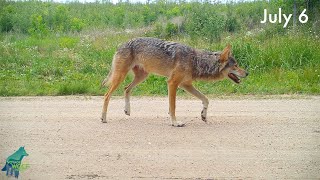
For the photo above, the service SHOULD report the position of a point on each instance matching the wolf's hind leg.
(139, 76)
(107, 96)
(118, 74)
(173, 84)
(189, 87)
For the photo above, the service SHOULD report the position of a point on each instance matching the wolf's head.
(22, 151)
(229, 66)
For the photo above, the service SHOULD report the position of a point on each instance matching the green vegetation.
(61, 49)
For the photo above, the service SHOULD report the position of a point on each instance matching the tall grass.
(77, 63)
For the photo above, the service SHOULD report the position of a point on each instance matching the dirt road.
(244, 138)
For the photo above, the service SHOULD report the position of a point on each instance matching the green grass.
(77, 63)
(61, 49)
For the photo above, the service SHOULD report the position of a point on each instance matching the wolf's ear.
(226, 53)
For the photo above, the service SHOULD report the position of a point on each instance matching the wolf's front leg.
(174, 121)
(127, 104)
(205, 103)
(188, 87)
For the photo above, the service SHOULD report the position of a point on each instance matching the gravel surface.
(253, 138)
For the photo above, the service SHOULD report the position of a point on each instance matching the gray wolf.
(180, 63)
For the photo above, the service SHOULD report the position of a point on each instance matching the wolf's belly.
(163, 67)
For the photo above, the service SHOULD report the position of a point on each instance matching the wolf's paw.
(178, 124)
(127, 112)
(103, 120)
(203, 116)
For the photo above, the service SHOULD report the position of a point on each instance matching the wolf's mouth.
(234, 78)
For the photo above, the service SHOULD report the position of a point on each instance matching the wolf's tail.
(107, 80)
(122, 61)
(4, 168)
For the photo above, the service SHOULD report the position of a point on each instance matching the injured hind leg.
(139, 76)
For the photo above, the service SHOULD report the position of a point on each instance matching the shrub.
(149, 16)
(232, 24)
(68, 42)
(6, 18)
(76, 24)
(171, 30)
(38, 28)
(205, 23)
(61, 19)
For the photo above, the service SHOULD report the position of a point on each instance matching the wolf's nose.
(247, 73)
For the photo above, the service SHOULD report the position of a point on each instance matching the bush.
(38, 28)
(232, 24)
(76, 24)
(205, 23)
(68, 42)
(171, 30)
(149, 16)
(6, 18)
(61, 20)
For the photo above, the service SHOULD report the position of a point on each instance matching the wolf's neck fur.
(205, 66)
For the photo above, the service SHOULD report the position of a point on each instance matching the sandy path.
(244, 138)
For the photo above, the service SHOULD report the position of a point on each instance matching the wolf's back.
(154, 47)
